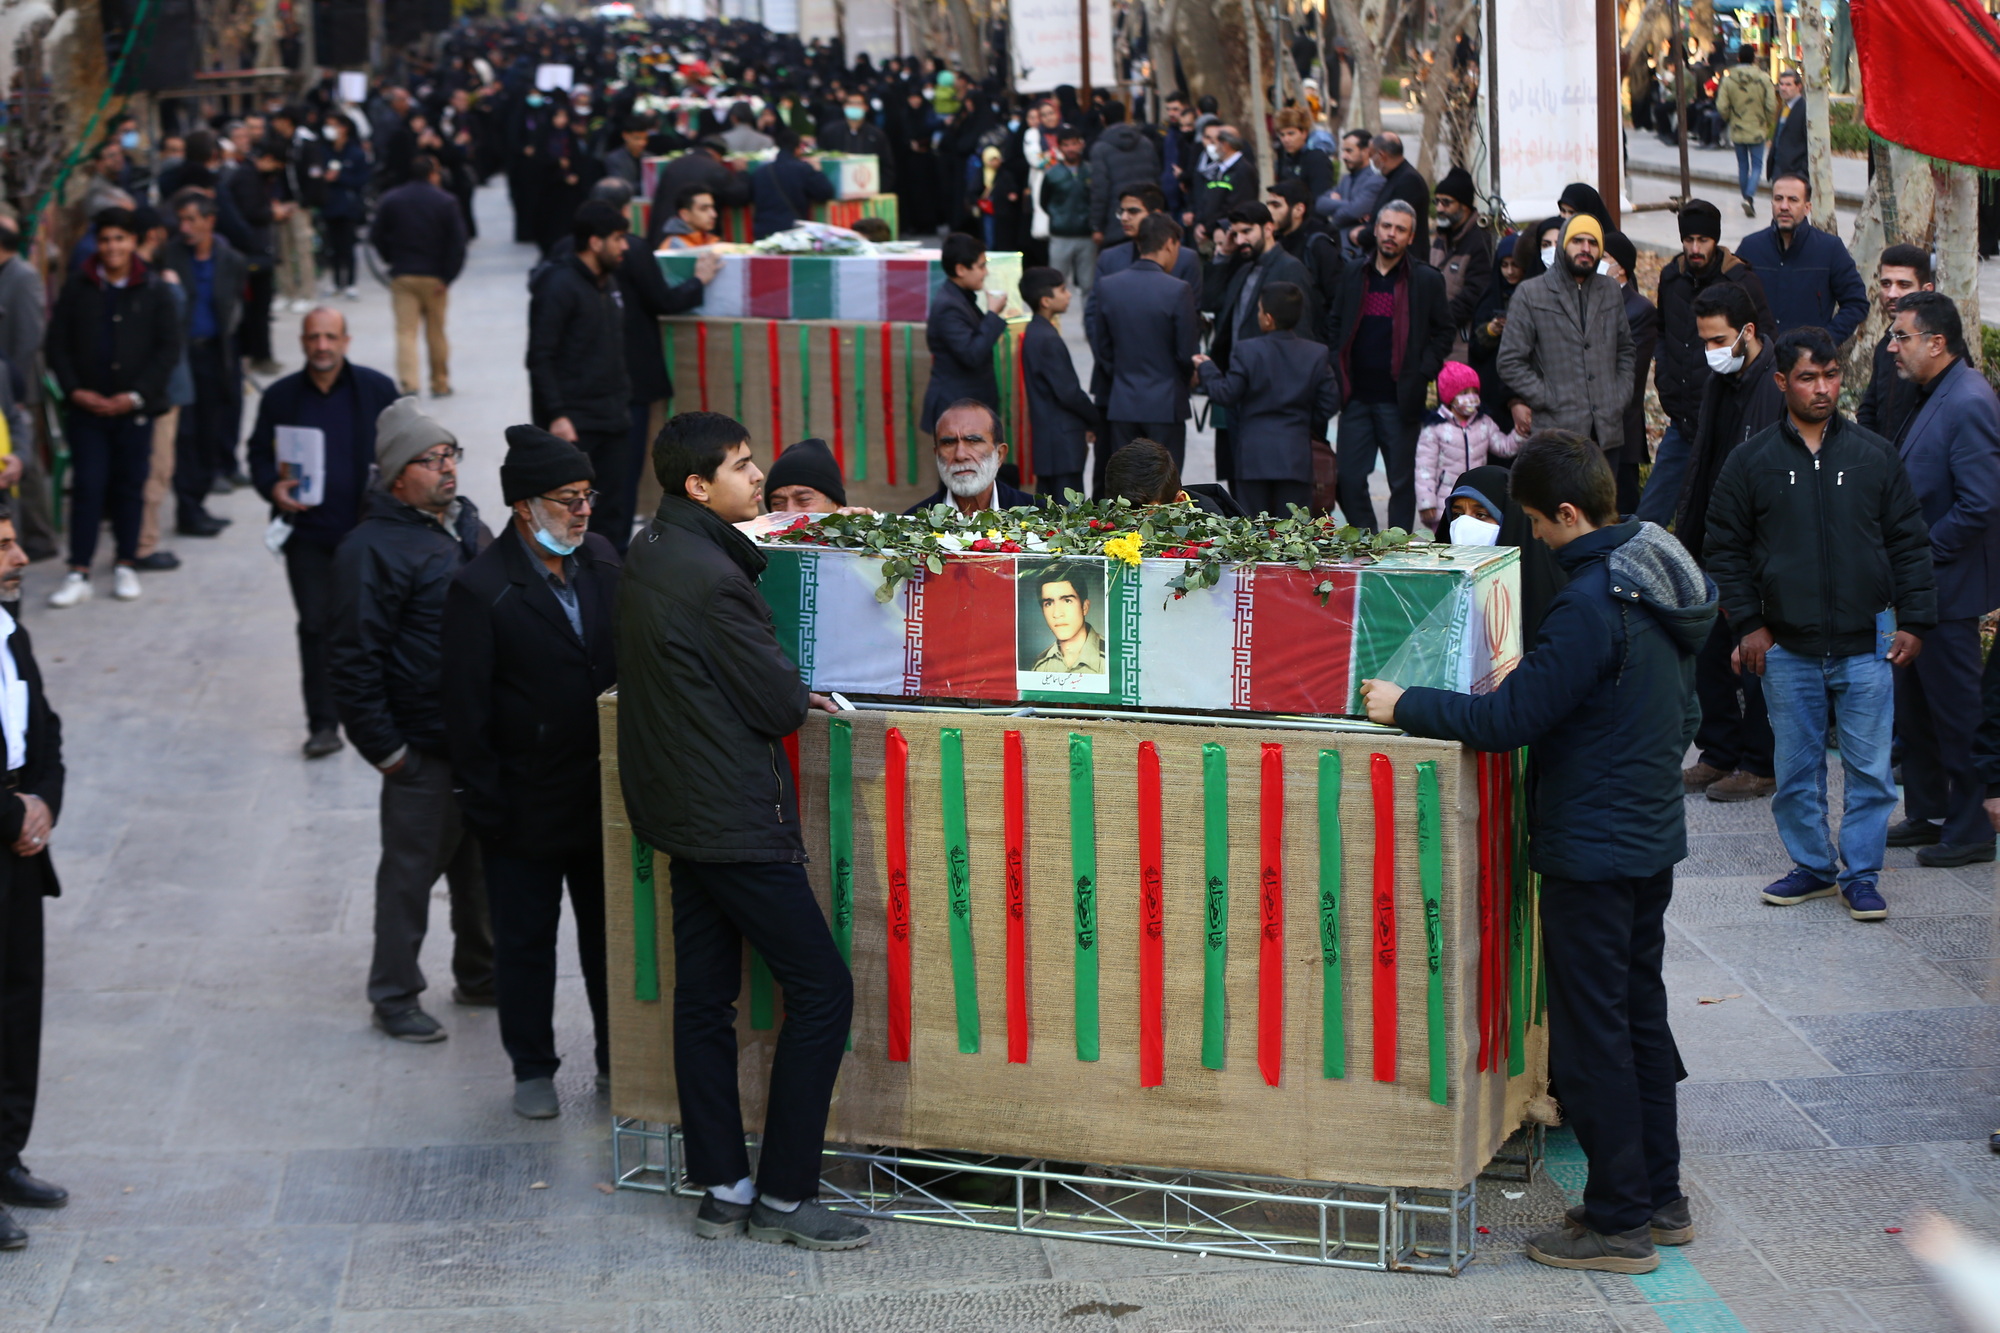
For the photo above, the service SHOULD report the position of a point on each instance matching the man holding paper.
(310, 455)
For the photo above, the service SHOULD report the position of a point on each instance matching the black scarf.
(680, 510)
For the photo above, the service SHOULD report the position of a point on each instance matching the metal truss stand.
(1384, 1228)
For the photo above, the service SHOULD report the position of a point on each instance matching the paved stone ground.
(247, 1154)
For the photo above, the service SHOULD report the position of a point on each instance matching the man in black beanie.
(805, 479)
(1622, 257)
(1462, 250)
(527, 649)
(1681, 362)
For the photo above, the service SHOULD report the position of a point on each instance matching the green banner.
(840, 836)
(858, 470)
(645, 925)
(763, 1000)
(1430, 875)
(1215, 907)
(1083, 874)
(1333, 1028)
(958, 874)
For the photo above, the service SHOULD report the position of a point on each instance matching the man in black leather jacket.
(390, 576)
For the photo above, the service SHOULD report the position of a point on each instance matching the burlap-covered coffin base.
(1056, 1106)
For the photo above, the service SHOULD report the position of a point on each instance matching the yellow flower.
(992, 534)
(1126, 546)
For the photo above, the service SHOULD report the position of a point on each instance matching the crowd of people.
(1822, 570)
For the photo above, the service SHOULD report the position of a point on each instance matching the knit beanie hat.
(1457, 183)
(1580, 224)
(807, 463)
(402, 436)
(538, 462)
(1698, 217)
(1619, 246)
(1455, 378)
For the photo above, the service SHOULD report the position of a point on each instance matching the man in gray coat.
(1567, 353)
(23, 316)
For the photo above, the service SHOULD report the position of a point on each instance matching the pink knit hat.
(1455, 378)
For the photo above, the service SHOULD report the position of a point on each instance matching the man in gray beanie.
(386, 662)
(527, 649)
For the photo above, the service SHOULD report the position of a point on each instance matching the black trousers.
(256, 327)
(1365, 430)
(1937, 702)
(1172, 434)
(1271, 497)
(340, 233)
(1611, 1052)
(205, 443)
(1053, 484)
(109, 460)
(309, 571)
(20, 1007)
(610, 453)
(1735, 727)
(525, 897)
(717, 906)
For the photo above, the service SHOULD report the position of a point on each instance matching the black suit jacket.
(1058, 409)
(1788, 145)
(1145, 338)
(1431, 331)
(1282, 393)
(960, 336)
(41, 775)
(521, 706)
(1233, 324)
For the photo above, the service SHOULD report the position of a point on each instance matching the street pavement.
(246, 1153)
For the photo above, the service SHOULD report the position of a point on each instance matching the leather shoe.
(1740, 786)
(22, 1190)
(323, 743)
(201, 525)
(1913, 833)
(13, 1236)
(1955, 854)
(159, 562)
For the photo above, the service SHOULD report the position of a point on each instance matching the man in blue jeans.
(1823, 558)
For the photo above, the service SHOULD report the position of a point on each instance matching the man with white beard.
(969, 454)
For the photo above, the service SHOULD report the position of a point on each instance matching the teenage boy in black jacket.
(1605, 701)
(1064, 419)
(1820, 548)
(707, 697)
(577, 385)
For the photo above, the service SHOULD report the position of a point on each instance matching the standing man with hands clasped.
(707, 698)
(1823, 559)
(1605, 701)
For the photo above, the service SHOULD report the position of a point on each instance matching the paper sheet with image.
(302, 453)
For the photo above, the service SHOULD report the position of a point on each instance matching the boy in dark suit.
(1282, 391)
(959, 336)
(1064, 419)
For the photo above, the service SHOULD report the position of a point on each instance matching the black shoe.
(1671, 1225)
(221, 486)
(810, 1226)
(717, 1218)
(1913, 833)
(411, 1024)
(323, 743)
(474, 999)
(159, 562)
(201, 525)
(12, 1235)
(22, 1190)
(1956, 854)
(238, 480)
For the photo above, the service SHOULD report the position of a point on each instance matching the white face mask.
(1469, 531)
(1726, 360)
(1548, 256)
(1604, 267)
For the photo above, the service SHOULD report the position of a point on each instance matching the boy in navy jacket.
(1064, 419)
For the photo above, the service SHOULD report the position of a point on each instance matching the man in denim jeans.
(1820, 549)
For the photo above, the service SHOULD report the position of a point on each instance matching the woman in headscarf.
(1536, 252)
(1489, 321)
(1580, 198)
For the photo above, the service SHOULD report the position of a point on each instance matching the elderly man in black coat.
(527, 647)
(29, 806)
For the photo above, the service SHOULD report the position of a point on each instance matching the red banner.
(1927, 66)
(701, 360)
(888, 363)
(777, 389)
(839, 401)
(895, 783)
(1483, 767)
(1382, 774)
(1152, 920)
(1014, 791)
(1271, 916)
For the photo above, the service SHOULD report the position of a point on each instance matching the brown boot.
(1742, 786)
(1700, 777)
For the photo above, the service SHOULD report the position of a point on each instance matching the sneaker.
(810, 1226)
(1700, 777)
(125, 583)
(411, 1024)
(1580, 1247)
(1956, 854)
(717, 1218)
(1741, 786)
(1799, 885)
(1864, 901)
(75, 588)
(1671, 1225)
(1749, 208)
(1913, 833)
(535, 1099)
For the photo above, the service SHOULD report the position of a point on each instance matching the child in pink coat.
(1457, 440)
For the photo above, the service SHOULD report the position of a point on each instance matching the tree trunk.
(1213, 51)
(1160, 23)
(1816, 44)
(1437, 80)
(1260, 124)
(1957, 233)
(968, 34)
(1351, 19)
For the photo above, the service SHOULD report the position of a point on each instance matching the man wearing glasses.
(527, 649)
(390, 576)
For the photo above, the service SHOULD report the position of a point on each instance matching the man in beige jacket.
(1748, 103)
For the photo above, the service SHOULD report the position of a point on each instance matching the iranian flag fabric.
(1092, 631)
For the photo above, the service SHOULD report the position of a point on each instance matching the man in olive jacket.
(707, 697)
(1568, 351)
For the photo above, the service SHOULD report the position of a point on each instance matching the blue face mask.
(550, 543)
(129, 140)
